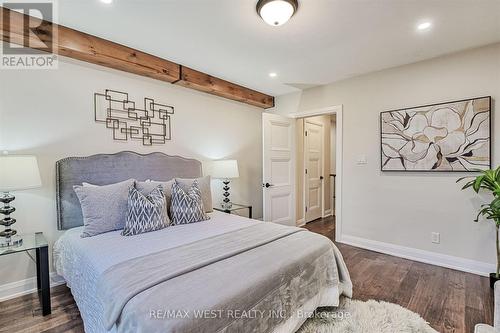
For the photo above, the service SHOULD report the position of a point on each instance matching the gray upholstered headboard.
(105, 169)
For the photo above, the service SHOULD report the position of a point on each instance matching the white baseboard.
(24, 287)
(328, 212)
(438, 259)
(301, 222)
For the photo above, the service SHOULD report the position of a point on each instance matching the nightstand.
(235, 208)
(38, 243)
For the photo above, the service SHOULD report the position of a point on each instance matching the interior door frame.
(305, 180)
(336, 110)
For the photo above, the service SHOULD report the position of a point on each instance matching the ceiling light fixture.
(277, 12)
(273, 74)
(424, 26)
(107, 2)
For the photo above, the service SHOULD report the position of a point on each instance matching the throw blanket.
(164, 291)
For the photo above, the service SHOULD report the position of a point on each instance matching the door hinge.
(306, 209)
(306, 171)
(306, 133)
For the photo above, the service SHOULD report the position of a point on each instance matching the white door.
(313, 151)
(278, 168)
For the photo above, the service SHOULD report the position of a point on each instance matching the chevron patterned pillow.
(146, 212)
(187, 206)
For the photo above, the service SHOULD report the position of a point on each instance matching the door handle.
(267, 185)
(321, 177)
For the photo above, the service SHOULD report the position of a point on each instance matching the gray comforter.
(255, 279)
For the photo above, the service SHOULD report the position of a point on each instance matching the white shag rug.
(354, 316)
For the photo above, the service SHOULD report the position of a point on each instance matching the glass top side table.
(235, 207)
(37, 242)
(30, 242)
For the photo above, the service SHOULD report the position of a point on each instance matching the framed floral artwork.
(452, 136)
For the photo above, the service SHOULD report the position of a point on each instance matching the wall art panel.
(453, 136)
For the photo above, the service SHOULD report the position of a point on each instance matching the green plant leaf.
(497, 174)
(495, 204)
(477, 217)
(477, 183)
(490, 174)
(462, 178)
(488, 180)
(468, 184)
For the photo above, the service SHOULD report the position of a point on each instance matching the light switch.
(361, 160)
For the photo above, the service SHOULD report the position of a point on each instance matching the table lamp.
(225, 170)
(17, 172)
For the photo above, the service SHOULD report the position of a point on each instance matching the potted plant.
(489, 180)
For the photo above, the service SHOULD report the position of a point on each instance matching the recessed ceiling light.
(107, 2)
(277, 12)
(424, 26)
(273, 74)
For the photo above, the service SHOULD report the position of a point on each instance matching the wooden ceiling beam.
(82, 46)
(194, 79)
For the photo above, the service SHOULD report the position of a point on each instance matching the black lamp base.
(8, 236)
(226, 202)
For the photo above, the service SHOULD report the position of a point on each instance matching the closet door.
(313, 151)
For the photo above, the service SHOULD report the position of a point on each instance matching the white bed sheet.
(80, 261)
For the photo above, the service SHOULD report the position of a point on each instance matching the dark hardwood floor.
(449, 300)
(23, 314)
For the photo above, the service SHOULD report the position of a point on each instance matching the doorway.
(315, 165)
(283, 202)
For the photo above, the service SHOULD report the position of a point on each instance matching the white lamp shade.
(224, 169)
(18, 172)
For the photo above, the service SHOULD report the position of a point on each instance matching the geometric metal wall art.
(151, 123)
(452, 136)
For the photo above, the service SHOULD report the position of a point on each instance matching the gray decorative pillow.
(148, 186)
(206, 191)
(104, 208)
(146, 212)
(187, 206)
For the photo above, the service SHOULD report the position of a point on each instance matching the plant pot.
(493, 279)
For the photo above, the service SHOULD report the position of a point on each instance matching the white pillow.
(104, 208)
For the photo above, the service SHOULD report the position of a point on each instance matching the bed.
(228, 274)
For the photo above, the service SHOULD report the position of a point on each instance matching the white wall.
(380, 209)
(49, 113)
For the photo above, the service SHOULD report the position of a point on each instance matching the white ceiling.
(326, 41)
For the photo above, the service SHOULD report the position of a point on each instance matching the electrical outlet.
(435, 237)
